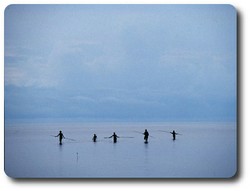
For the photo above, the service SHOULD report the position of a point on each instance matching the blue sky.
(121, 62)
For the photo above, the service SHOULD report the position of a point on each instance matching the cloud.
(199, 73)
(30, 71)
(25, 68)
(81, 98)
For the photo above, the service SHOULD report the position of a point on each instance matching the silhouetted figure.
(173, 133)
(114, 137)
(94, 138)
(61, 136)
(146, 134)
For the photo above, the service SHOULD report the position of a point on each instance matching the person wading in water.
(146, 134)
(114, 137)
(94, 138)
(174, 134)
(61, 136)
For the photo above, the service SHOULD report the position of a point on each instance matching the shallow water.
(203, 150)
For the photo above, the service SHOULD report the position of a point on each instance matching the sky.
(120, 62)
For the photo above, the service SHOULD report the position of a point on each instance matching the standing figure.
(146, 134)
(61, 136)
(173, 133)
(114, 137)
(94, 138)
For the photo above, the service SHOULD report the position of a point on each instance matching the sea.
(201, 150)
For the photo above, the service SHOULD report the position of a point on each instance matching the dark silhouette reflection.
(94, 138)
(146, 134)
(61, 136)
(60, 149)
(114, 137)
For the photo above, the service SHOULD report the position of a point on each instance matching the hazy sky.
(121, 62)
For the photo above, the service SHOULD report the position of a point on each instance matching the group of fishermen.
(146, 135)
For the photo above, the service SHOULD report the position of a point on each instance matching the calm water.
(203, 150)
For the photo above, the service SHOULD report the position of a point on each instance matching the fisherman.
(61, 136)
(114, 137)
(146, 134)
(173, 133)
(94, 138)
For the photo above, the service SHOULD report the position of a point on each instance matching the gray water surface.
(203, 150)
